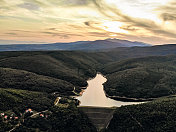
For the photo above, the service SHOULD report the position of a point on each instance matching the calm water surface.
(94, 95)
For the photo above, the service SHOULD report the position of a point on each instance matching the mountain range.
(78, 45)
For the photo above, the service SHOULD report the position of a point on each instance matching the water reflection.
(94, 95)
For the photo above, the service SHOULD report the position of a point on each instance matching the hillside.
(74, 67)
(146, 77)
(14, 103)
(20, 79)
(20, 100)
(104, 56)
(156, 116)
(61, 120)
(123, 53)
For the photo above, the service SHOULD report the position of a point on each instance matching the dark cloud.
(76, 2)
(87, 23)
(98, 34)
(52, 29)
(76, 26)
(129, 28)
(92, 24)
(26, 31)
(64, 36)
(37, 2)
(168, 17)
(61, 34)
(52, 33)
(29, 6)
(168, 11)
(11, 34)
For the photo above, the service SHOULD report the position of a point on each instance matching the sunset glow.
(46, 21)
(113, 27)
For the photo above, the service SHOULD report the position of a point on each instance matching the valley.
(34, 79)
(87, 66)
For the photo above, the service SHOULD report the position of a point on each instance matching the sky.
(48, 21)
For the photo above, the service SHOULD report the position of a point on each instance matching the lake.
(94, 95)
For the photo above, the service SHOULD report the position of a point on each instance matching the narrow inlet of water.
(94, 95)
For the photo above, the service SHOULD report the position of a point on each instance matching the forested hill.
(122, 53)
(33, 80)
(104, 56)
(146, 77)
(155, 116)
(46, 71)
(68, 69)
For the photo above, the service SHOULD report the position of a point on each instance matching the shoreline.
(117, 98)
(126, 99)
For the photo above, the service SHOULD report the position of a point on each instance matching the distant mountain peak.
(128, 43)
(78, 45)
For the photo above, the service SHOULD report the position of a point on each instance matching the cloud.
(94, 25)
(129, 28)
(87, 23)
(52, 29)
(77, 2)
(91, 23)
(168, 16)
(19, 42)
(22, 18)
(98, 34)
(116, 15)
(63, 35)
(11, 34)
(26, 31)
(64, 20)
(168, 12)
(29, 6)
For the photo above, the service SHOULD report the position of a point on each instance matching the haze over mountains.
(78, 45)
